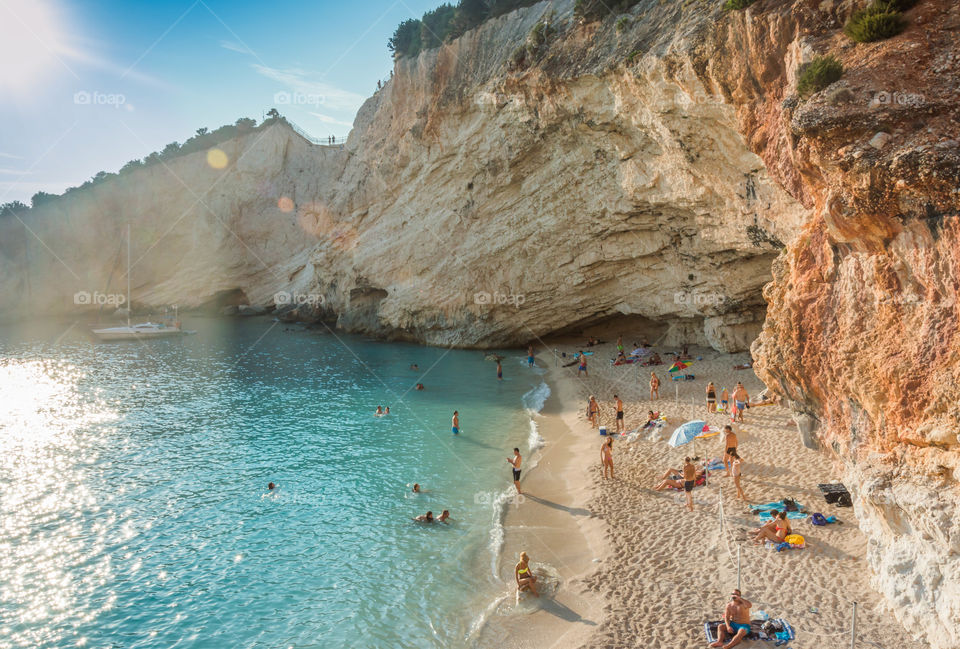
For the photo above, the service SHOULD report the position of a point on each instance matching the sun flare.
(30, 38)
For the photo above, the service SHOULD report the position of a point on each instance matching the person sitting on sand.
(736, 622)
(776, 530)
(526, 580)
(651, 420)
(424, 518)
(671, 479)
(416, 487)
(444, 516)
(637, 350)
(655, 359)
(621, 358)
(654, 386)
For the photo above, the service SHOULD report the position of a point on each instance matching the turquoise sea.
(133, 488)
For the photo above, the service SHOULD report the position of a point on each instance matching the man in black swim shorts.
(515, 463)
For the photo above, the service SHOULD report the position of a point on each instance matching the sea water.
(133, 488)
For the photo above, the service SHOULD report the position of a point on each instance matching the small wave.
(534, 399)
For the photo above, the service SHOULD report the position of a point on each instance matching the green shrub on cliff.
(818, 74)
(734, 5)
(878, 21)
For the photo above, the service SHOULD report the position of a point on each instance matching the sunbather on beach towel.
(736, 622)
(776, 530)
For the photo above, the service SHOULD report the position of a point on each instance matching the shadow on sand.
(576, 511)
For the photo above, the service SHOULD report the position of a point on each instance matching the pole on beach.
(738, 566)
(677, 388)
(853, 628)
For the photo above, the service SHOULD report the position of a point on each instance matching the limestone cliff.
(656, 167)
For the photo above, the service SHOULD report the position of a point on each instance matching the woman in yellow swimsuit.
(526, 580)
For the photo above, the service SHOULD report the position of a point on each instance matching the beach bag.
(844, 500)
(795, 540)
(771, 627)
(818, 519)
(789, 505)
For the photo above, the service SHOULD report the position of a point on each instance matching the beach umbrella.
(679, 366)
(686, 433)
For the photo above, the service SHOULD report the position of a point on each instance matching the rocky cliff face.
(657, 170)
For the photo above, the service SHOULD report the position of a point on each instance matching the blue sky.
(87, 85)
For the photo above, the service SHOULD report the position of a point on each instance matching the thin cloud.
(236, 47)
(298, 81)
(13, 172)
(326, 119)
(10, 156)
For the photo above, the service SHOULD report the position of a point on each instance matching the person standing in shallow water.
(499, 371)
(515, 462)
(456, 422)
(530, 355)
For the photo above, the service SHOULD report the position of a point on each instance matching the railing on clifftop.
(321, 141)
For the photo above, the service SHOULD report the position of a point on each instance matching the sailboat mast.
(129, 304)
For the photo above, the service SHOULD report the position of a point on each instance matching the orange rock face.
(861, 335)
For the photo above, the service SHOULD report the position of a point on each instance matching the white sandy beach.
(636, 569)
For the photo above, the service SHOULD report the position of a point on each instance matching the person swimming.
(419, 386)
(386, 410)
(379, 412)
(424, 518)
(416, 487)
(444, 516)
(271, 486)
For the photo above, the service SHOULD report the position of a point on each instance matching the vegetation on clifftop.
(879, 20)
(446, 23)
(202, 140)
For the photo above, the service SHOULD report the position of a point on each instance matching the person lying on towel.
(736, 622)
